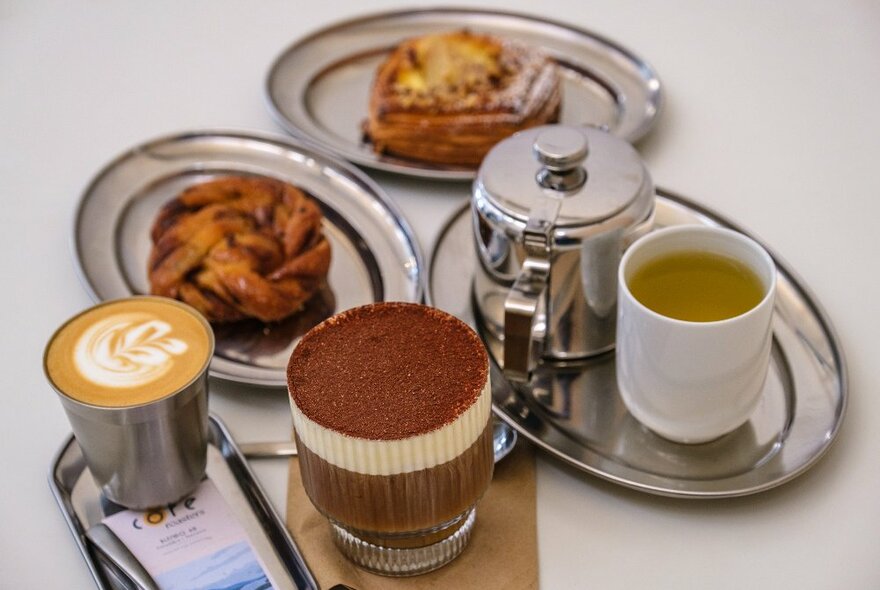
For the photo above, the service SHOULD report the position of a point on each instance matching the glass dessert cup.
(395, 441)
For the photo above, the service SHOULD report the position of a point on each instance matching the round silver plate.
(575, 413)
(318, 88)
(374, 254)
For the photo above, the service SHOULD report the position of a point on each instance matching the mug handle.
(641, 229)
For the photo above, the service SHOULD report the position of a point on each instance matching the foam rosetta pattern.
(127, 350)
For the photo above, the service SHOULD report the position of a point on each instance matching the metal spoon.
(109, 545)
(504, 438)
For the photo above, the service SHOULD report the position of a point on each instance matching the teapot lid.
(598, 176)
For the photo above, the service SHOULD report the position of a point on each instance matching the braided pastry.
(239, 247)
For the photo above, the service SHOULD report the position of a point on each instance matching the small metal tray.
(80, 502)
(575, 412)
(319, 87)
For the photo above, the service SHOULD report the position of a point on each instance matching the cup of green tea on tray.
(694, 330)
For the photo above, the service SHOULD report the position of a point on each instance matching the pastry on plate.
(448, 98)
(240, 247)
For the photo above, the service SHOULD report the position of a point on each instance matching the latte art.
(129, 351)
(125, 351)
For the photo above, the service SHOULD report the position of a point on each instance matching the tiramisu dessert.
(391, 405)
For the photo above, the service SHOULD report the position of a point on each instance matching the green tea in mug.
(696, 286)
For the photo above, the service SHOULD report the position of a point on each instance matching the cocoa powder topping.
(387, 371)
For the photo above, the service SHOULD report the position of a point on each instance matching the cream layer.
(388, 457)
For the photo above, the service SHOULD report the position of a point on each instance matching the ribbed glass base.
(408, 554)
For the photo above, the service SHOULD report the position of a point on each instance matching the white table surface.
(772, 118)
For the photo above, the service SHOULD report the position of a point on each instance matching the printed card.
(195, 544)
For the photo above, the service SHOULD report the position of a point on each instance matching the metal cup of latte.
(132, 377)
(554, 207)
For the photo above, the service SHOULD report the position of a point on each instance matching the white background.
(772, 118)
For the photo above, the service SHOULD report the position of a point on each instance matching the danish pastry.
(239, 247)
(448, 98)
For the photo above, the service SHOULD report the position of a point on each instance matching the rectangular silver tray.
(80, 502)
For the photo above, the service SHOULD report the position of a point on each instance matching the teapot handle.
(561, 152)
(521, 306)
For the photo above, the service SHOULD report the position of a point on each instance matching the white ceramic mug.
(693, 382)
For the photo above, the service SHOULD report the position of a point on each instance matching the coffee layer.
(128, 352)
(404, 502)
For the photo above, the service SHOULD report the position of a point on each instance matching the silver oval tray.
(318, 88)
(375, 256)
(81, 504)
(575, 412)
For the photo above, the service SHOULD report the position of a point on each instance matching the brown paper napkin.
(503, 552)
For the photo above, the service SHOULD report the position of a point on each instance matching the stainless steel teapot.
(553, 209)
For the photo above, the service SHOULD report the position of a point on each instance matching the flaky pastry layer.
(448, 98)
